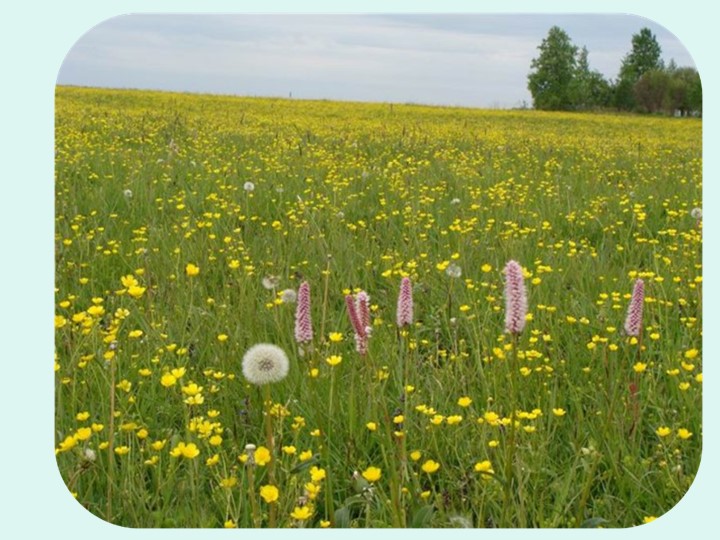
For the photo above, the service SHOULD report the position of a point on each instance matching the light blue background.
(35, 38)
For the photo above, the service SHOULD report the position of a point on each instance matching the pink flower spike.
(405, 303)
(362, 307)
(358, 328)
(515, 298)
(633, 322)
(303, 320)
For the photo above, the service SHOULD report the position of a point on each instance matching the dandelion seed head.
(128, 194)
(249, 186)
(270, 282)
(288, 296)
(453, 270)
(696, 213)
(265, 363)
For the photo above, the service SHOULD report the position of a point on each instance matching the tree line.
(561, 79)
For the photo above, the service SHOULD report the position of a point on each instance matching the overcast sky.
(470, 60)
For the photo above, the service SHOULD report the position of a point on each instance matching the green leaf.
(342, 518)
(421, 519)
(305, 464)
(593, 523)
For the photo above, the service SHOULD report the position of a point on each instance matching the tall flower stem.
(111, 440)
(510, 443)
(329, 504)
(270, 441)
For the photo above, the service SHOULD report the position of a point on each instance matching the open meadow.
(191, 228)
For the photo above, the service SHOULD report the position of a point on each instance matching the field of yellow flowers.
(277, 313)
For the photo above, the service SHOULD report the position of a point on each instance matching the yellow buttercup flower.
(269, 493)
(372, 474)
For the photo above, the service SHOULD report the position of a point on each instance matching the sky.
(470, 60)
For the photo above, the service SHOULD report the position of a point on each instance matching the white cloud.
(467, 60)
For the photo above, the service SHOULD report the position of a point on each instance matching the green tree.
(590, 90)
(652, 90)
(644, 56)
(551, 80)
(683, 91)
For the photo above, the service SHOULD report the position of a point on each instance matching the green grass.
(352, 197)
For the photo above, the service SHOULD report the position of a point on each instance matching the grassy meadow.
(185, 224)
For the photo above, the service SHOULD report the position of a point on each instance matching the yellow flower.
(324, 524)
(122, 450)
(301, 513)
(307, 454)
(464, 401)
(559, 411)
(69, 442)
(454, 419)
(60, 321)
(333, 360)
(335, 337)
(289, 450)
(178, 372)
(215, 440)
(639, 367)
(136, 291)
(484, 467)
(188, 451)
(82, 416)
(269, 493)
(684, 433)
(262, 456)
(168, 380)
(158, 445)
(372, 474)
(222, 338)
(372, 426)
(663, 431)
(415, 455)
(191, 270)
(83, 433)
(312, 490)
(691, 353)
(228, 482)
(493, 443)
(430, 466)
(648, 519)
(399, 419)
(317, 474)
(230, 524)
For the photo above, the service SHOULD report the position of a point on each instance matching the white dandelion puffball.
(270, 282)
(288, 296)
(128, 194)
(454, 271)
(249, 186)
(696, 213)
(265, 363)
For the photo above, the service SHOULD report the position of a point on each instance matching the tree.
(651, 90)
(551, 81)
(644, 56)
(590, 90)
(683, 92)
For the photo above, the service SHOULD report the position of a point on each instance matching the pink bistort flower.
(633, 321)
(405, 303)
(515, 298)
(303, 319)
